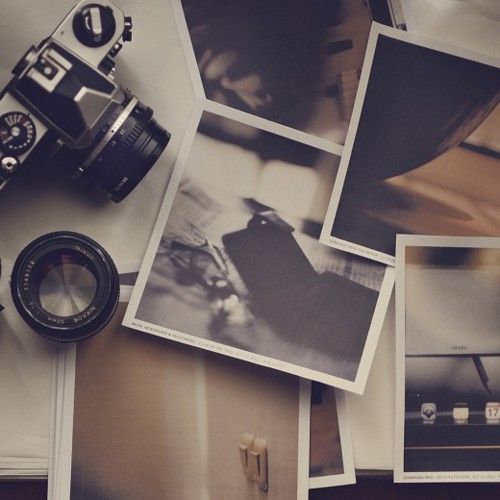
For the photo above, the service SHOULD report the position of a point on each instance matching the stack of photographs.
(235, 266)
(315, 138)
(142, 416)
(255, 174)
(422, 156)
(422, 151)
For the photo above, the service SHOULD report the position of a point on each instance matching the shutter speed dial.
(17, 133)
(94, 25)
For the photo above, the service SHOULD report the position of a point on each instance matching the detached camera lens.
(65, 286)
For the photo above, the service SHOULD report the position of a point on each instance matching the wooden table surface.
(370, 489)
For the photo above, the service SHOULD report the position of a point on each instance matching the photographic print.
(331, 456)
(422, 154)
(235, 265)
(475, 25)
(448, 359)
(294, 62)
(155, 419)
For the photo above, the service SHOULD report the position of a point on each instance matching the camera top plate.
(93, 55)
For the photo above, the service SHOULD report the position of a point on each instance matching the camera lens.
(122, 154)
(65, 286)
(129, 154)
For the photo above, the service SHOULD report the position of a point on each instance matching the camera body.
(64, 104)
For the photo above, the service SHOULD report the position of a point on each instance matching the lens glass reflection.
(67, 288)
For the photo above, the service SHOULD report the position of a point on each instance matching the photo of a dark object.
(425, 157)
(452, 359)
(295, 62)
(63, 107)
(287, 291)
(325, 449)
(239, 262)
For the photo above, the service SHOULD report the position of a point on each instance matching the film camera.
(64, 104)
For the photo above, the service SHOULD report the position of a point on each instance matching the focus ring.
(141, 116)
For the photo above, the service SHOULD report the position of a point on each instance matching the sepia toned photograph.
(235, 264)
(155, 419)
(423, 153)
(448, 359)
(294, 62)
(330, 455)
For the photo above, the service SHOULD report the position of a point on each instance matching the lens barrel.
(65, 286)
(122, 153)
(130, 154)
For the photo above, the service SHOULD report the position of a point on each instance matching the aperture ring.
(123, 140)
(115, 127)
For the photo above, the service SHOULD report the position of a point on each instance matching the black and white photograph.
(330, 451)
(448, 359)
(422, 155)
(294, 62)
(235, 265)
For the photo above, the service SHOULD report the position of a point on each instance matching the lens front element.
(65, 286)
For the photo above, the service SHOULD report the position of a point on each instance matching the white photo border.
(402, 242)
(304, 442)
(357, 386)
(189, 54)
(422, 41)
